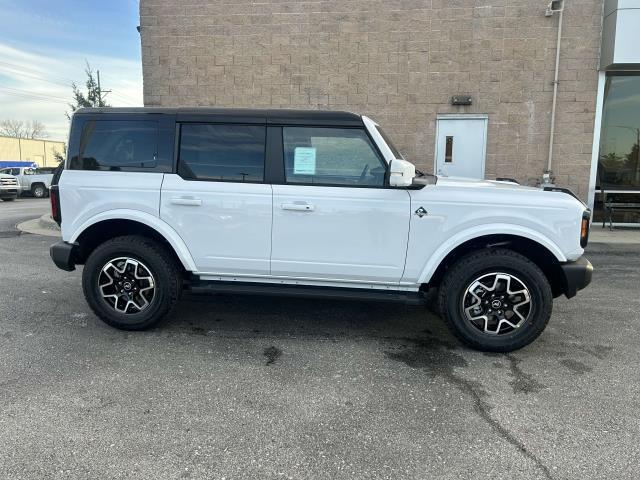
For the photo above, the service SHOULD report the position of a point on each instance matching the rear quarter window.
(117, 145)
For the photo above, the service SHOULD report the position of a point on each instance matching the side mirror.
(402, 173)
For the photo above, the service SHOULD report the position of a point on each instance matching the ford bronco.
(310, 203)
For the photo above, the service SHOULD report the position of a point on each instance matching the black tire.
(486, 262)
(10, 199)
(38, 190)
(156, 259)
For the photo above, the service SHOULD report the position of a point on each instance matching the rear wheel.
(131, 282)
(38, 190)
(496, 300)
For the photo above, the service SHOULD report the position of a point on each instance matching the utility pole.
(100, 101)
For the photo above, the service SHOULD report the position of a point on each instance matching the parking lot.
(251, 387)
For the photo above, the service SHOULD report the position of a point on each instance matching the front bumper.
(577, 275)
(9, 192)
(62, 255)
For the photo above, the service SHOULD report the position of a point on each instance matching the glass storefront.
(618, 178)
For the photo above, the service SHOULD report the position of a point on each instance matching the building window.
(448, 149)
(619, 162)
(619, 156)
(228, 153)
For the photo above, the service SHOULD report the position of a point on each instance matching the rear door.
(218, 201)
(333, 217)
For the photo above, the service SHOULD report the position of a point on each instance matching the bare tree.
(21, 129)
(37, 130)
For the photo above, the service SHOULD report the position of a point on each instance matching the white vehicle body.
(389, 246)
(398, 237)
(260, 239)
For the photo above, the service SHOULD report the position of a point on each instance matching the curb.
(45, 221)
(40, 226)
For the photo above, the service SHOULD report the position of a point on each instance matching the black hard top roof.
(248, 115)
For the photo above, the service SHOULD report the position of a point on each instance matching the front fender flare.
(484, 230)
(176, 242)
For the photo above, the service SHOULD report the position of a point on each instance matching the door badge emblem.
(421, 212)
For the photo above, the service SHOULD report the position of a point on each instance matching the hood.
(473, 183)
(492, 192)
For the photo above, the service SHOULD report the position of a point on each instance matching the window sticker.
(304, 161)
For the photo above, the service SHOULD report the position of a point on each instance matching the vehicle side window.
(216, 152)
(117, 145)
(331, 156)
(15, 171)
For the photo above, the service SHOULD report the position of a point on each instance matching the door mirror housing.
(401, 173)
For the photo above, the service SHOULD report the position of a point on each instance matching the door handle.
(189, 201)
(299, 207)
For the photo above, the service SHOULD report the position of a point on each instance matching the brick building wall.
(398, 61)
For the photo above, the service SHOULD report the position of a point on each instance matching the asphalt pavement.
(266, 388)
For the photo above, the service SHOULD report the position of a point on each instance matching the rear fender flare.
(176, 242)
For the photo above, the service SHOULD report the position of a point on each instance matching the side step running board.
(305, 291)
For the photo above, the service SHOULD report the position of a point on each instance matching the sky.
(44, 46)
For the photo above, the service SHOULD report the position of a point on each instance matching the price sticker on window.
(304, 161)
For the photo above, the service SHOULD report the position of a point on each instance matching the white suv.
(311, 203)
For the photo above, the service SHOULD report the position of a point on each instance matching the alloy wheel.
(127, 285)
(497, 303)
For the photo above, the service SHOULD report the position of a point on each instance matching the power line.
(34, 71)
(27, 92)
(15, 73)
(34, 98)
(122, 98)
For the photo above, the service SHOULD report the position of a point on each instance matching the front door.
(461, 146)
(217, 202)
(333, 218)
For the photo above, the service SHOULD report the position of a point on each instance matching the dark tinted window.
(222, 152)
(331, 156)
(117, 145)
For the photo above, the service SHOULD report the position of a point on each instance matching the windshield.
(388, 141)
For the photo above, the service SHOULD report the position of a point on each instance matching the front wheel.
(495, 300)
(131, 282)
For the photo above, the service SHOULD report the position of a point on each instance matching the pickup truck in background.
(9, 187)
(35, 181)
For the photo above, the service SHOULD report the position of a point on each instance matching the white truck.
(9, 187)
(35, 181)
(306, 203)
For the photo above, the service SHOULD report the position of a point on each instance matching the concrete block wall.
(398, 61)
